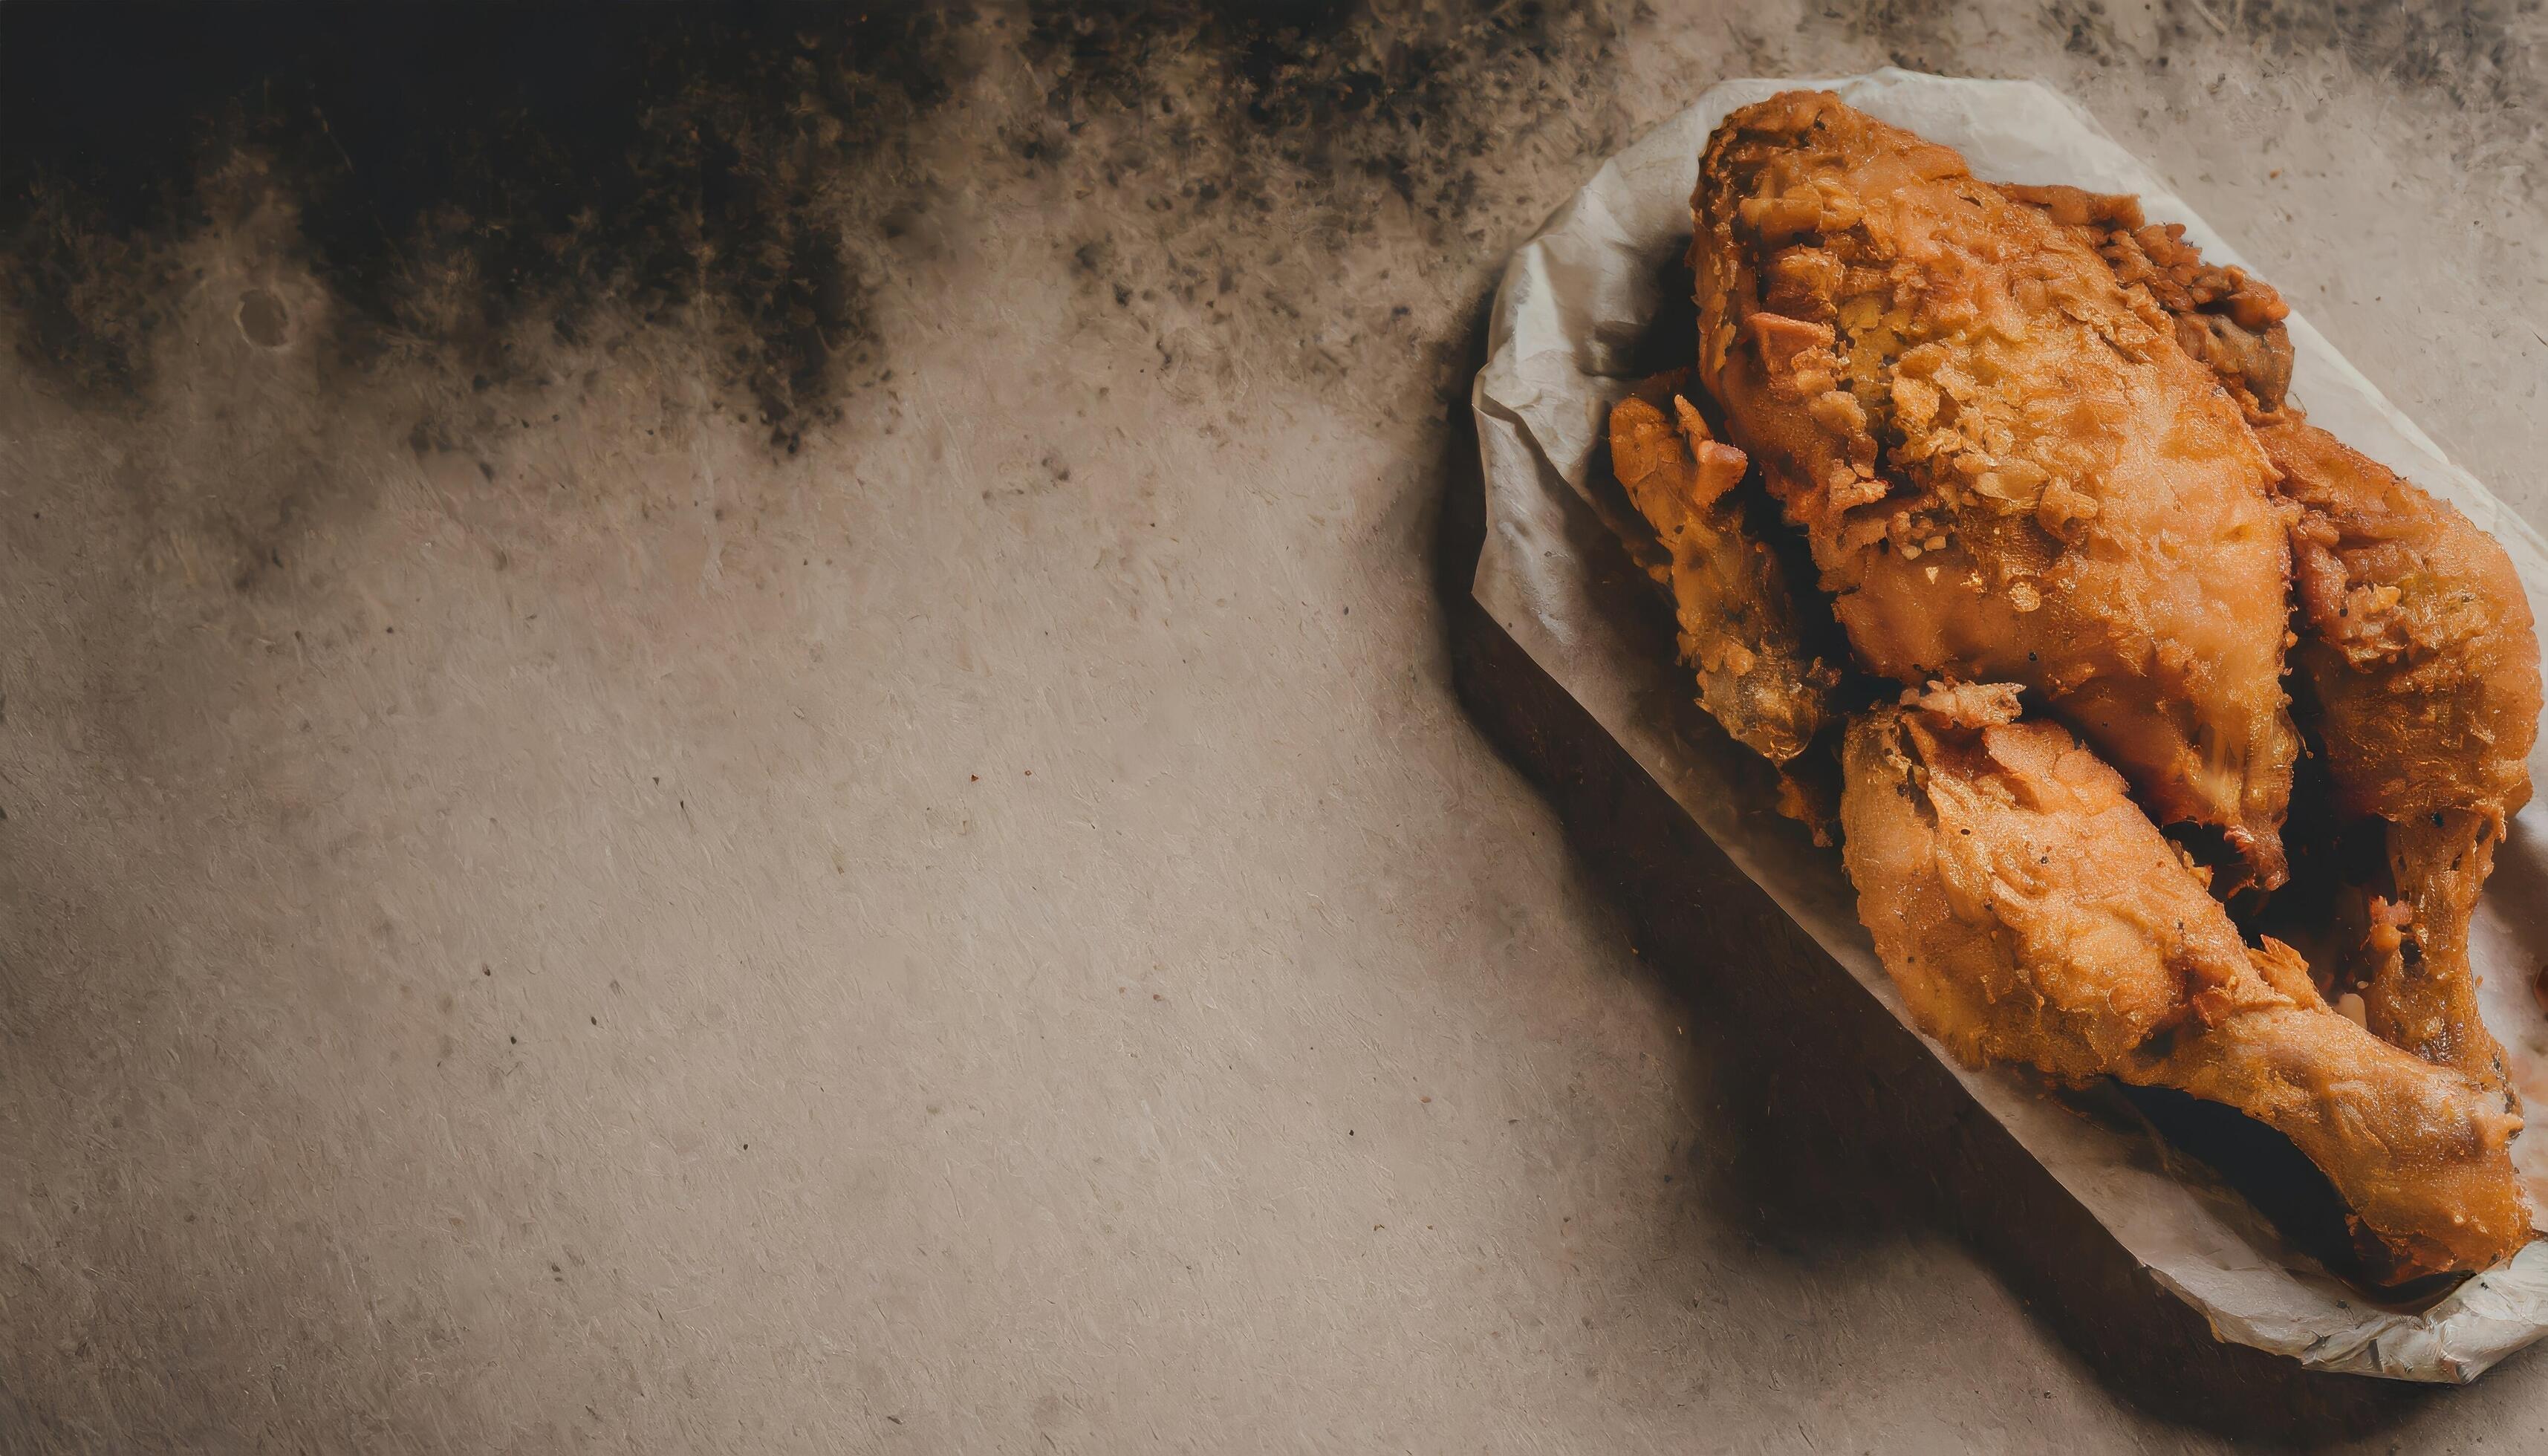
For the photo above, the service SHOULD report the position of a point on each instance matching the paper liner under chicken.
(2007, 467)
(2032, 913)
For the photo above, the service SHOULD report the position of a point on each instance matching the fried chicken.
(2421, 665)
(1743, 629)
(2030, 913)
(2006, 465)
(2416, 645)
(2225, 319)
(2416, 636)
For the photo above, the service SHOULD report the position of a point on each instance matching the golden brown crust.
(2005, 464)
(2225, 319)
(2423, 667)
(2030, 436)
(2029, 912)
(2415, 639)
(2412, 969)
(1744, 628)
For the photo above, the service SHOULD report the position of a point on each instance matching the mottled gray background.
(763, 760)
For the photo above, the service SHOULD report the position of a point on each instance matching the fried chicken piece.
(2415, 634)
(2417, 646)
(2422, 663)
(2006, 466)
(2225, 319)
(2029, 912)
(2410, 965)
(1743, 629)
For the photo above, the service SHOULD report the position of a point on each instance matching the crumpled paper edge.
(1571, 307)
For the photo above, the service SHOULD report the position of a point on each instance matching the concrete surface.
(540, 918)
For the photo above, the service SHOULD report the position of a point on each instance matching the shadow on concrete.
(1844, 1127)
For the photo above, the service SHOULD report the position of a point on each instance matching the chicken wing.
(1743, 629)
(2029, 912)
(2006, 466)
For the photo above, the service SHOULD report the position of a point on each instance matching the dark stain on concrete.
(457, 167)
(2473, 54)
(2470, 53)
(2087, 30)
(1913, 33)
(1309, 104)
(750, 173)
(747, 174)
(264, 320)
(1268, 146)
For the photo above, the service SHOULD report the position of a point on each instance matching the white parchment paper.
(1566, 321)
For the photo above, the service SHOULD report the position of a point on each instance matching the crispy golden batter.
(2029, 912)
(2423, 668)
(2227, 321)
(1743, 629)
(2415, 635)
(2416, 642)
(2005, 464)
(2410, 965)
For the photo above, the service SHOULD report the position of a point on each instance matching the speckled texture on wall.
(748, 747)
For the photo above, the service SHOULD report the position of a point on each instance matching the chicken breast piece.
(2032, 913)
(2006, 466)
(1751, 639)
